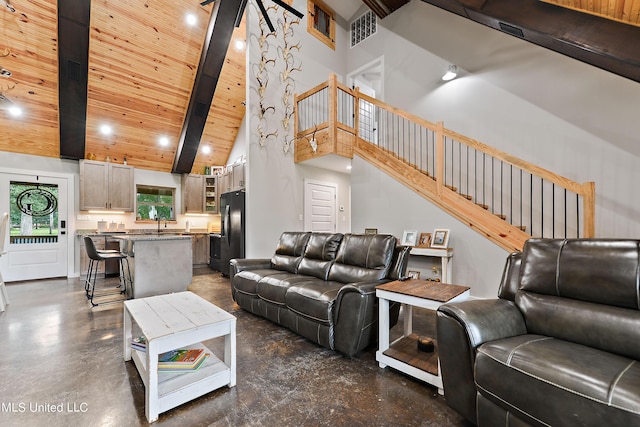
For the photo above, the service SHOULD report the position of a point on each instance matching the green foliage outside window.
(155, 203)
(46, 225)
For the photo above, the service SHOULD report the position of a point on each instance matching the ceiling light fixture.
(451, 73)
(105, 130)
(163, 141)
(191, 19)
(15, 111)
(206, 149)
(239, 45)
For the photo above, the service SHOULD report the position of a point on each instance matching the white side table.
(445, 256)
(173, 321)
(402, 354)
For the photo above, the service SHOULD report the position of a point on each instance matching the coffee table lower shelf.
(176, 388)
(404, 356)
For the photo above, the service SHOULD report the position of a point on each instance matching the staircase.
(500, 196)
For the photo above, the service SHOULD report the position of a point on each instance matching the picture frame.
(409, 238)
(424, 241)
(370, 231)
(440, 238)
(413, 274)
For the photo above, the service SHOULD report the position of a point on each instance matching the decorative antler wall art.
(285, 53)
(261, 71)
(277, 60)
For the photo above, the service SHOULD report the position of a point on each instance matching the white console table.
(173, 321)
(445, 256)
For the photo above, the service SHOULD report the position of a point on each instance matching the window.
(363, 27)
(34, 212)
(155, 203)
(321, 22)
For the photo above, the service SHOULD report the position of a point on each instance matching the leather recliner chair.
(559, 347)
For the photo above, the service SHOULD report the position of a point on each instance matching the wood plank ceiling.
(143, 58)
(141, 67)
(627, 11)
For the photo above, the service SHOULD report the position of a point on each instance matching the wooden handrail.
(441, 193)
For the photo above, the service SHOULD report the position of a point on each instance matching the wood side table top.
(436, 291)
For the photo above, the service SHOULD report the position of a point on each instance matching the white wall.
(548, 109)
(275, 196)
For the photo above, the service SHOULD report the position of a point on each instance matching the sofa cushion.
(319, 254)
(274, 287)
(580, 385)
(313, 298)
(363, 258)
(289, 251)
(246, 281)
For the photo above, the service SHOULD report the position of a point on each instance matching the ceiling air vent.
(363, 27)
(510, 29)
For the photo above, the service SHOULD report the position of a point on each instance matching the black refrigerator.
(231, 228)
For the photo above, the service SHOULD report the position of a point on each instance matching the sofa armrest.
(355, 317)
(242, 264)
(461, 328)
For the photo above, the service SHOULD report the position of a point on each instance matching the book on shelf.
(139, 343)
(184, 358)
(176, 368)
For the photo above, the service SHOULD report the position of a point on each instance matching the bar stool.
(95, 257)
(4, 231)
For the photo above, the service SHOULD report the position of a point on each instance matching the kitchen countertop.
(140, 232)
(149, 237)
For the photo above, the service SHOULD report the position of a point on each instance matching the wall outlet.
(83, 217)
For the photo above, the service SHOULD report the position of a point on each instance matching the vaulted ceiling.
(142, 59)
(142, 62)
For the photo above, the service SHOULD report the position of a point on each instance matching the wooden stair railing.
(502, 197)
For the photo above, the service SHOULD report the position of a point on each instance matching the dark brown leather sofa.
(322, 285)
(559, 347)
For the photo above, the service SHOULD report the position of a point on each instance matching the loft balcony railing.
(503, 197)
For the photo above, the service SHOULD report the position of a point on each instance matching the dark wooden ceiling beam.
(73, 66)
(224, 16)
(594, 40)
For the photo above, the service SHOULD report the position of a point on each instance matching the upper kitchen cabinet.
(233, 178)
(199, 193)
(105, 185)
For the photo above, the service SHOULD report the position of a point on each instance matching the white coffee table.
(175, 321)
(402, 354)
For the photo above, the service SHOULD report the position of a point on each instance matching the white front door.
(320, 206)
(37, 241)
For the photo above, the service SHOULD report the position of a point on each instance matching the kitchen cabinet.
(233, 179)
(200, 249)
(199, 194)
(211, 196)
(193, 191)
(238, 182)
(105, 185)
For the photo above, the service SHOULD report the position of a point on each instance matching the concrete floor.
(62, 365)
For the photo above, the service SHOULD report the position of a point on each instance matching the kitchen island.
(159, 263)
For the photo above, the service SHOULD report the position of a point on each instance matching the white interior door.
(38, 239)
(320, 206)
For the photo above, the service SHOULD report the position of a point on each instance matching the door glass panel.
(34, 213)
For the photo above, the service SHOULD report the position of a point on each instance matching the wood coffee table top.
(436, 291)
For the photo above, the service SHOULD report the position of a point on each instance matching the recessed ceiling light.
(105, 130)
(191, 19)
(239, 44)
(206, 149)
(15, 111)
(163, 141)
